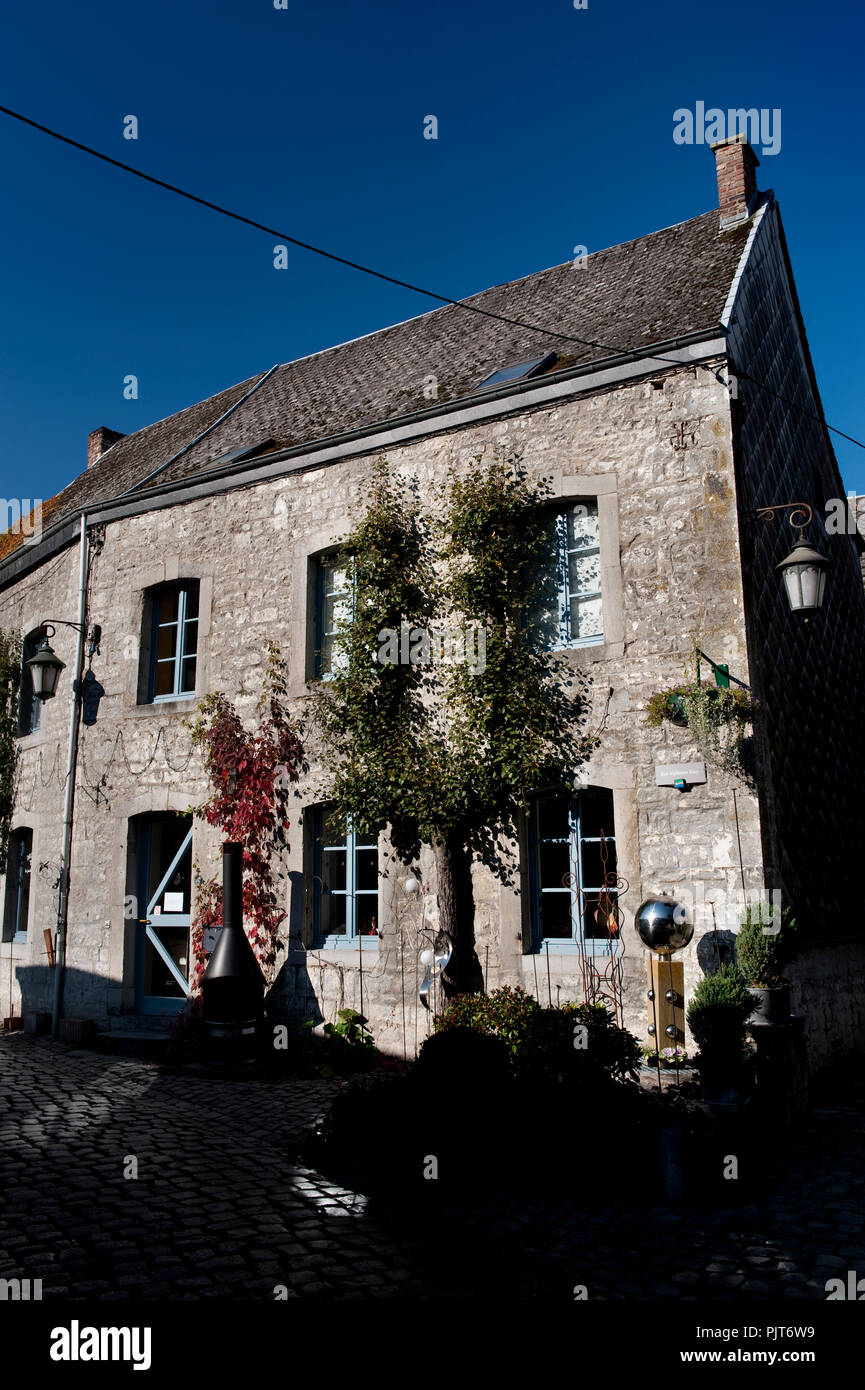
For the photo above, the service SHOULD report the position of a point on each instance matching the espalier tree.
(10, 671)
(447, 754)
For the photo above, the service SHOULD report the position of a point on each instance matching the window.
(571, 613)
(332, 608)
(247, 452)
(519, 371)
(173, 640)
(17, 906)
(573, 871)
(345, 881)
(29, 708)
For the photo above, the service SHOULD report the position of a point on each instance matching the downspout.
(71, 767)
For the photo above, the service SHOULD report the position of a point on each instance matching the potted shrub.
(717, 1016)
(764, 945)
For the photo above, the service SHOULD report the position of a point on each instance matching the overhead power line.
(380, 275)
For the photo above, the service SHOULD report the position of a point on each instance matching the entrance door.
(165, 879)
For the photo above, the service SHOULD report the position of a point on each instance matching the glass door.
(165, 868)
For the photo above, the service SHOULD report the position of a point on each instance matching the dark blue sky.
(555, 129)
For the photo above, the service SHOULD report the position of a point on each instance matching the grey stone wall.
(657, 454)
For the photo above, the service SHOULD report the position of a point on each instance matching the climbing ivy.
(262, 764)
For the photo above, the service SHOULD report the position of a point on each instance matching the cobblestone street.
(223, 1207)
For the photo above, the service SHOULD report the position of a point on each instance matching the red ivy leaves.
(251, 774)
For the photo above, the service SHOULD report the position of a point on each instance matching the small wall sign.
(210, 936)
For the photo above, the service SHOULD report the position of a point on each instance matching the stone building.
(665, 392)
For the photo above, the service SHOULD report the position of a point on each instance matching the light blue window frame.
(351, 845)
(576, 591)
(333, 583)
(30, 709)
(18, 870)
(582, 895)
(186, 645)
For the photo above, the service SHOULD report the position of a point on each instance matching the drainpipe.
(71, 768)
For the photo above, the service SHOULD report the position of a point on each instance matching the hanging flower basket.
(667, 705)
(673, 704)
(674, 710)
(716, 716)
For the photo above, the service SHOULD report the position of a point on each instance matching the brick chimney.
(736, 163)
(100, 440)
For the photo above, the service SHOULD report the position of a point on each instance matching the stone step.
(135, 1035)
(147, 1044)
(158, 1024)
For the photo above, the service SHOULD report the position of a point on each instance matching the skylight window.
(519, 371)
(234, 454)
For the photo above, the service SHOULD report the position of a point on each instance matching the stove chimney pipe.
(232, 987)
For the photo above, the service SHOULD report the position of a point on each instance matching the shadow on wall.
(85, 994)
(714, 949)
(291, 998)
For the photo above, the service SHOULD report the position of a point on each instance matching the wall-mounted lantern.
(45, 666)
(804, 569)
(804, 575)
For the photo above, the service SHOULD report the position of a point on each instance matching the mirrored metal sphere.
(664, 924)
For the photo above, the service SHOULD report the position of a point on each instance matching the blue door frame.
(153, 923)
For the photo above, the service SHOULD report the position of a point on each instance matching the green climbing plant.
(447, 753)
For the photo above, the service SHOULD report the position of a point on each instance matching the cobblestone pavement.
(222, 1207)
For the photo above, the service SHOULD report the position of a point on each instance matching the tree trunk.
(463, 974)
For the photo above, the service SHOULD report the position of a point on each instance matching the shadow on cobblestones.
(223, 1207)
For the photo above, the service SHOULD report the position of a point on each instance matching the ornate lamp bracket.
(801, 514)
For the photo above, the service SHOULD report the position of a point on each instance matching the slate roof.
(629, 297)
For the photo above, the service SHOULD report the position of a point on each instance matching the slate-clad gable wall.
(810, 677)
